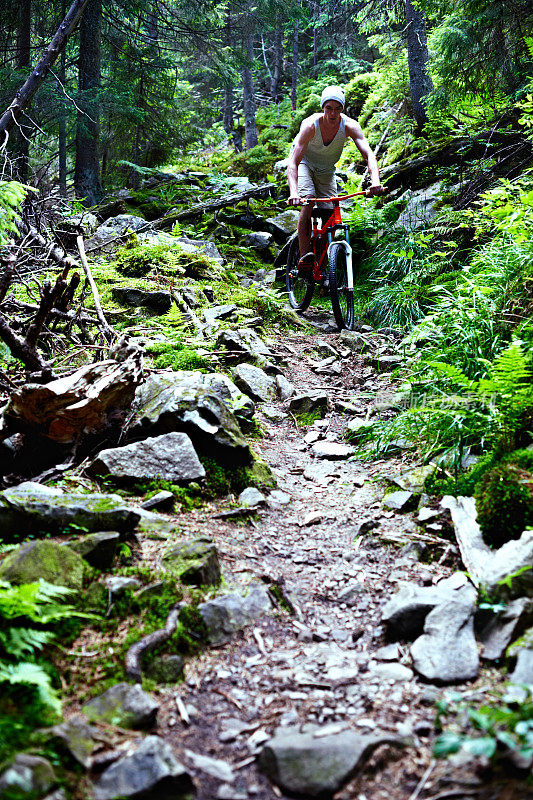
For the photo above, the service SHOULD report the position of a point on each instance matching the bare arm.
(355, 132)
(307, 131)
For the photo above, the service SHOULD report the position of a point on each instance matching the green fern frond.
(18, 642)
(33, 677)
(511, 371)
(452, 373)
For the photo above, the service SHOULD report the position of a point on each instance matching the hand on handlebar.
(374, 191)
(295, 200)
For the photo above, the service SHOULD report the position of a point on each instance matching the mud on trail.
(320, 657)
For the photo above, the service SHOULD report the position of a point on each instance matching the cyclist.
(314, 154)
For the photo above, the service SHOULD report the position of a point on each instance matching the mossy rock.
(165, 669)
(52, 562)
(260, 475)
(504, 501)
(194, 563)
(96, 598)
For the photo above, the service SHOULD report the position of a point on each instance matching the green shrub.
(504, 501)
(139, 261)
(358, 89)
(186, 359)
(493, 730)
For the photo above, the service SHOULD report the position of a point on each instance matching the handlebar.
(332, 199)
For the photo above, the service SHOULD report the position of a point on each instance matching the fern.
(24, 612)
(31, 676)
(461, 413)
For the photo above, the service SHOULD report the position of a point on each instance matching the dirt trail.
(319, 664)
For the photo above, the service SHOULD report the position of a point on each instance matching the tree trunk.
(278, 57)
(23, 132)
(62, 123)
(25, 94)
(294, 77)
(417, 53)
(86, 172)
(228, 120)
(250, 129)
(316, 14)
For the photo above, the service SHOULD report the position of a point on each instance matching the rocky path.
(325, 663)
(310, 685)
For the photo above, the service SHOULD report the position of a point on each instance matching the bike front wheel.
(340, 295)
(299, 288)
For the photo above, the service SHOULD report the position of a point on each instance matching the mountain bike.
(332, 268)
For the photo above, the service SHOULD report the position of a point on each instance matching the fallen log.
(67, 408)
(407, 174)
(167, 222)
(148, 643)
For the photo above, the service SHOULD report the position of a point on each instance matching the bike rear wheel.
(299, 289)
(341, 297)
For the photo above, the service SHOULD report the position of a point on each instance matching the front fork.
(348, 250)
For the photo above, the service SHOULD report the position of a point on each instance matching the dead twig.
(109, 333)
(229, 698)
(424, 779)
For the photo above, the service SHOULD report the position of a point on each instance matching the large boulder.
(447, 650)
(172, 402)
(170, 457)
(124, 705)
(194, 562)
(229, 613)
(148, 771)
(316, 765)
(420, 209)
(42, 559)
(25, 510)
(405, 613)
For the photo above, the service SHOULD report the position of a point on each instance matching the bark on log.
(21, 350)
(166, 222)
(486, 146)
(77, 404)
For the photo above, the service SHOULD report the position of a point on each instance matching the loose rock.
(149, 772)
(97, 549)
(332, 450)
(447, 651)
(303, 764)
(169, 457)
(255, 382)
(251, 497)
(228, 613)
(124, 705)
(27, 776)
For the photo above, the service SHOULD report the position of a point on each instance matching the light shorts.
(315, 184)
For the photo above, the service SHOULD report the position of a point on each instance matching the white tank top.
(320, 157)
